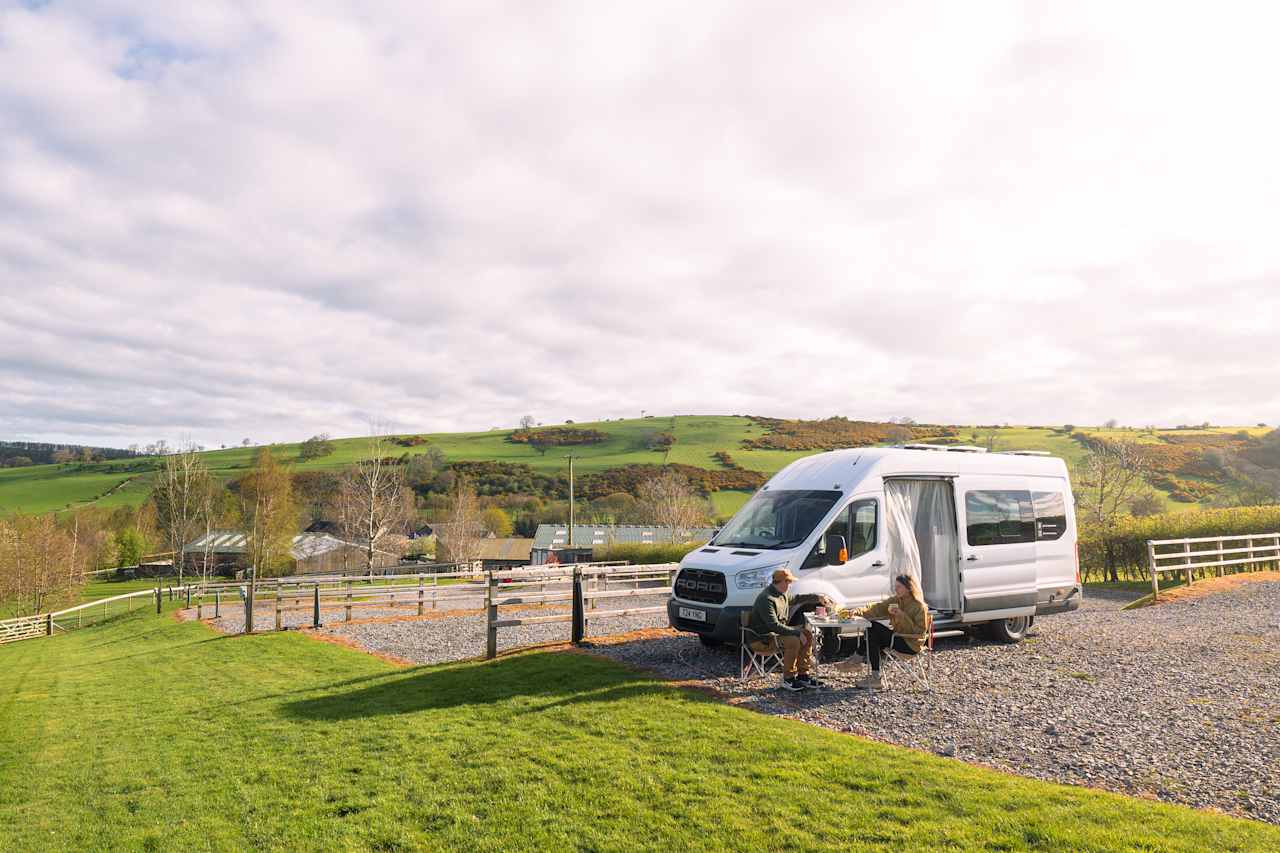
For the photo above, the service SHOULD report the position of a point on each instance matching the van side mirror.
(837, 551)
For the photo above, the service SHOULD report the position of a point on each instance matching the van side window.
(863, 537)
(999, 517)
(1051, 515)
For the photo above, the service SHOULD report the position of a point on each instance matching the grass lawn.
(148, 734)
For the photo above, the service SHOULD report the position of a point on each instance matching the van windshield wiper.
(784, 543)
(740, 545)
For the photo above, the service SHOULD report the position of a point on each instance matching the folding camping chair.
(751, 661)
(915, 667)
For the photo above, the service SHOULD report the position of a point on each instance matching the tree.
(63, 455)
(670, 501)
(372, 498)
(990, 439)
(268, 517)
(459, 537)
(1105, 481)
(1146, 503)
(246, 442)
(495, 520)
(37, 564)
(129, 545)
(423, 468)
(181, 495)
(527, 422)
(316, 447)
(1112, 424)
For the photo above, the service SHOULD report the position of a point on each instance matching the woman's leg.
(878, 636)
(900, 645)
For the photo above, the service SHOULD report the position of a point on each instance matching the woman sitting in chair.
(907, 613)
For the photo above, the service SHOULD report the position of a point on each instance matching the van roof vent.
(1027, 452)
(954, 448)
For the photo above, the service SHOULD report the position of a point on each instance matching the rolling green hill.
(45, 488)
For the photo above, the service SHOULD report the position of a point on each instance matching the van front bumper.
(722, 623)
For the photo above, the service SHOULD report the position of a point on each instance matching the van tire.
(710, 641)
(1009, 630)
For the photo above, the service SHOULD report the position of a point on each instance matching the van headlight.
(757, 578)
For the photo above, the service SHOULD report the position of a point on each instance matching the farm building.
(503, 553)
(588, 537)
(315, 553)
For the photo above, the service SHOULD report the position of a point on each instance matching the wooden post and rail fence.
(1211, 555)
(576, 595)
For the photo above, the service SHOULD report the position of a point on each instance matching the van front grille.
(701, 585)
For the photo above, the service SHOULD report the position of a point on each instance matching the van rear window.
(1051, 515)
(999, 517)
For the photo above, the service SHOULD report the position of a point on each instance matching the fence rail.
(89, 613)
(1198, 554)
(585, 585)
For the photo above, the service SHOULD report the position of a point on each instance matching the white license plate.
(691, 613)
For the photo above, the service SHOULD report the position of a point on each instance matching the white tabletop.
(853, 623)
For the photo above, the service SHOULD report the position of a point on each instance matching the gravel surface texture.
(1180, 701)
(436, 637)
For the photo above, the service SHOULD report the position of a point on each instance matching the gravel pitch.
(437, 639)
(1180, 702)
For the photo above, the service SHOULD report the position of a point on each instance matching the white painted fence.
(1218, 553)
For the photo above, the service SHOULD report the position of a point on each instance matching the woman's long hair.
(912, 585)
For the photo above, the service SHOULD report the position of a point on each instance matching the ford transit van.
(990, 536)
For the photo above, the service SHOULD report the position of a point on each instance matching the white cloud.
(221, 220)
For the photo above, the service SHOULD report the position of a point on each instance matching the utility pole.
(571, 501)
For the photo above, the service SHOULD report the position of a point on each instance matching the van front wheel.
(1009, 630)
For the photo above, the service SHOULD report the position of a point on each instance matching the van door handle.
(972, 558)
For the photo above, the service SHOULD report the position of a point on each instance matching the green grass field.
(147, 734)
(128, 482)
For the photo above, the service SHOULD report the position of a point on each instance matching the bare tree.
(527, 422)
(181, 496)
(460, 536)
(373, 501)
(670, 501)
(268, 519)
(1105, 481)
(34, 557)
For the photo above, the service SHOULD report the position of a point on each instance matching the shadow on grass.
(560, 678)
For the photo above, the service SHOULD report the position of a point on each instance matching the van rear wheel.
(1009, 630)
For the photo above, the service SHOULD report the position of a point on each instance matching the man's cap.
(782, 575)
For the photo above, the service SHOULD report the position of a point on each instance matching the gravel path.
(436, 638)
(1180, 701)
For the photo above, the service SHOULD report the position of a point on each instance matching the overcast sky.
(267, 220)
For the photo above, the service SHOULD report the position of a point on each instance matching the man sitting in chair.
(769, 616)
(907, 613)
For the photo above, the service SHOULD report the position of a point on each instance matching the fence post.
(48, 624)
(188, 596)
(435, 589)
(1186, 549)
(315, 612)
(1155, 577)
(104, 607)
(278, 591)
(421, 592)
(348, 601)
(217, 603)
(578, 631)
(248, 604)
(491, 610)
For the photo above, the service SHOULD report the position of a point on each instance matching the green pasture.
(45, 488)
(148, 734)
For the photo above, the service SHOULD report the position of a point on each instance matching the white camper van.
(990, 536)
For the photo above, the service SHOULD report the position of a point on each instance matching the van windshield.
(778, 519)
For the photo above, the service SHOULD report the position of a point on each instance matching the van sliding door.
(997, 546)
